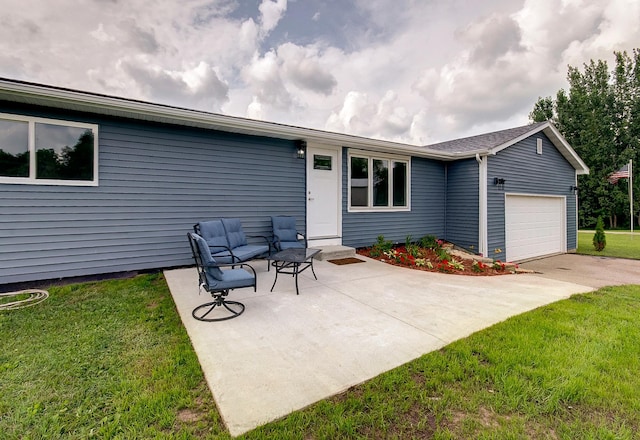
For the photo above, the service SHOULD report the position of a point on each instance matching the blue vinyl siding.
(527, 172)
(156, 181)
(462, 204)
(427, 216)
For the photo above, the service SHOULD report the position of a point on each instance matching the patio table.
(292, 262)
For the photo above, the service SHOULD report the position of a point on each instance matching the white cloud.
(199, 85)
(100, 34)
(304, 68)
(363, 115)
(263, 76)
(254, 111)
(412, 71)
(270, 13)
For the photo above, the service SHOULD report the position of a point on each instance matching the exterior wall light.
(499, 182)
(574, 188)
(301, 146)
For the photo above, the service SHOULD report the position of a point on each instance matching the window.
(47, 151)
(321, 162)
(378, 183)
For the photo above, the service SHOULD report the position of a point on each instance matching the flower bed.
(436, 260)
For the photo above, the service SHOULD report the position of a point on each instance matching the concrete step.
(335, 252)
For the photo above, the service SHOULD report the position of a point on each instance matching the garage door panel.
(534, 226)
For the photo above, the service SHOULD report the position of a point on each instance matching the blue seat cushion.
(235, 234)
(214, 234)
(291, 245)
(284, 228)
(224, 257)
(231, 279)
(249, 251)
(242, 253)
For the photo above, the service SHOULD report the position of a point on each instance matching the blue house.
(93, 184)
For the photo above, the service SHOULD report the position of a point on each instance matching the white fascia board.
(132, 109)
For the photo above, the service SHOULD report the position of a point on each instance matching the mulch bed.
(431, 256)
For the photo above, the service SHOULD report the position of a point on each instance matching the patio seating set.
(221, 252)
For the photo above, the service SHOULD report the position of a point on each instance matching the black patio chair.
(218, 282)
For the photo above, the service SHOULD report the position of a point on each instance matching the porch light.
(301, 147)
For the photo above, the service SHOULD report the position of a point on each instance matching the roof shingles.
(483, 142)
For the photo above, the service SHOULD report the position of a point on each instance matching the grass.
(102, 360)
(619, 245)
(111, 360)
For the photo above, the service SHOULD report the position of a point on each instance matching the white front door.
(323, 195)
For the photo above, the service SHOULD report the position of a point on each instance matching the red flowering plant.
(430, 253)
(499, 265)
(478, 266)
(443, 266)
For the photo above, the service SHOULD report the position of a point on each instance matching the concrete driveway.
(584, 269)
(355, 322)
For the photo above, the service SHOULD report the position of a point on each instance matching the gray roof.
(484, 142)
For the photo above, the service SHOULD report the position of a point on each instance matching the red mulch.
(431, 256)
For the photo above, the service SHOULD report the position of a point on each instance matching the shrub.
(381, 246)
(412, 248)
(429, 242)
(442, 254)
(599, 239)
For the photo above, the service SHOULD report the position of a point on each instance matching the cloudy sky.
(415, 71)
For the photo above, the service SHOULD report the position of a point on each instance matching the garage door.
(534, 226)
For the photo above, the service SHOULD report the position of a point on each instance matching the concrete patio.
(356, 321)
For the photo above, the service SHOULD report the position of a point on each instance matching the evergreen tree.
(599, 239)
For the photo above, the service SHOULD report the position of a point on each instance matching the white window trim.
(31, 180)
(370, 155)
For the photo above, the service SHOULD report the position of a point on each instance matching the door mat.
(350, 260)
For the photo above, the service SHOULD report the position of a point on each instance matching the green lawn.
(619, 244)
(112, 360)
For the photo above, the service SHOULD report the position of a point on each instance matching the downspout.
(577, 200)
(446, 197)
(483, 246)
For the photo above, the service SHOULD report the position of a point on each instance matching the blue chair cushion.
(242, 253)
(291, 245)
(208, 262)
(235, 234)
(284, 228)
(250, 251)
(231, 279)
(224, 257)
(214, 234)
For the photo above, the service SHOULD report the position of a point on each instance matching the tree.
(600, 117)
(599, 239)
(543, 110)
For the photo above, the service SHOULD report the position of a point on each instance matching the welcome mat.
(350, 260)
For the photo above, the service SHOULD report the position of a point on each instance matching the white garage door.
(534, 226)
